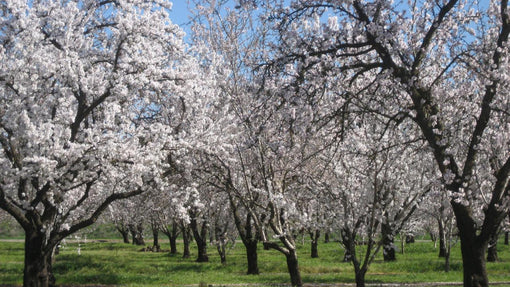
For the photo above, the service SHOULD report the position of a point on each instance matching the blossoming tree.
(77, 79)
(441, 64)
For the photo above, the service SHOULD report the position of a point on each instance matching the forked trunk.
(293, 267)
(137, 235)
(202, 251)
(200, 236)
(172, 233)
(38, 262)
(223, 253)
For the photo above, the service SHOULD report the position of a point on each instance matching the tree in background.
(441, 65)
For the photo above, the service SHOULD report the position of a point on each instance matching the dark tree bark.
(349, 243)
(124, 231)
(442, 238)
(326, 237)
(221, 241)
(172, 237)
(248, 233)
(473, 245)
(137, 234)
(447, 260)
(172, 232)
(200, 235)
(360, 278)
(314, 236)
(252, 257)
(186, 238)
(222, 252)
(173, 244)
(388, 242)
(155, 237)
(292, 262)
(492, 251)
(38, 261)
(473, 261)
(293, 268)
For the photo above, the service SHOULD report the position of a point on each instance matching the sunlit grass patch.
(112, 263)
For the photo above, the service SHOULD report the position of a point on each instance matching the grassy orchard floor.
(123, 264)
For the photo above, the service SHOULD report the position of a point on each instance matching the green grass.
(123, 264)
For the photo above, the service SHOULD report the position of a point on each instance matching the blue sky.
(180, 13)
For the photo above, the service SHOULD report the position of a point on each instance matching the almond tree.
(366, 189)
(75, 77)
(441, 64)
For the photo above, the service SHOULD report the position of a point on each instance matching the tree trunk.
(200, 238)
(442, 238)
(473, 245)
(125, 236)
(186, 240)
(137, 234)
(492, 252)
(124, 231)
(326, 237)
(473, 261)
(388, 242)
(506, 237)
(172, 233)
(314, 236)
(202, 250)
(222, 252)
(249, 236)
(221, 241)
(360, 278)
(155, 237)
(473, 248)
(293, 267)
(38, 262)
(173, 244)
(252, 257)
(433, 238)
(347, 255)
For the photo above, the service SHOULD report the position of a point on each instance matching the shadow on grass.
(83, 270)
